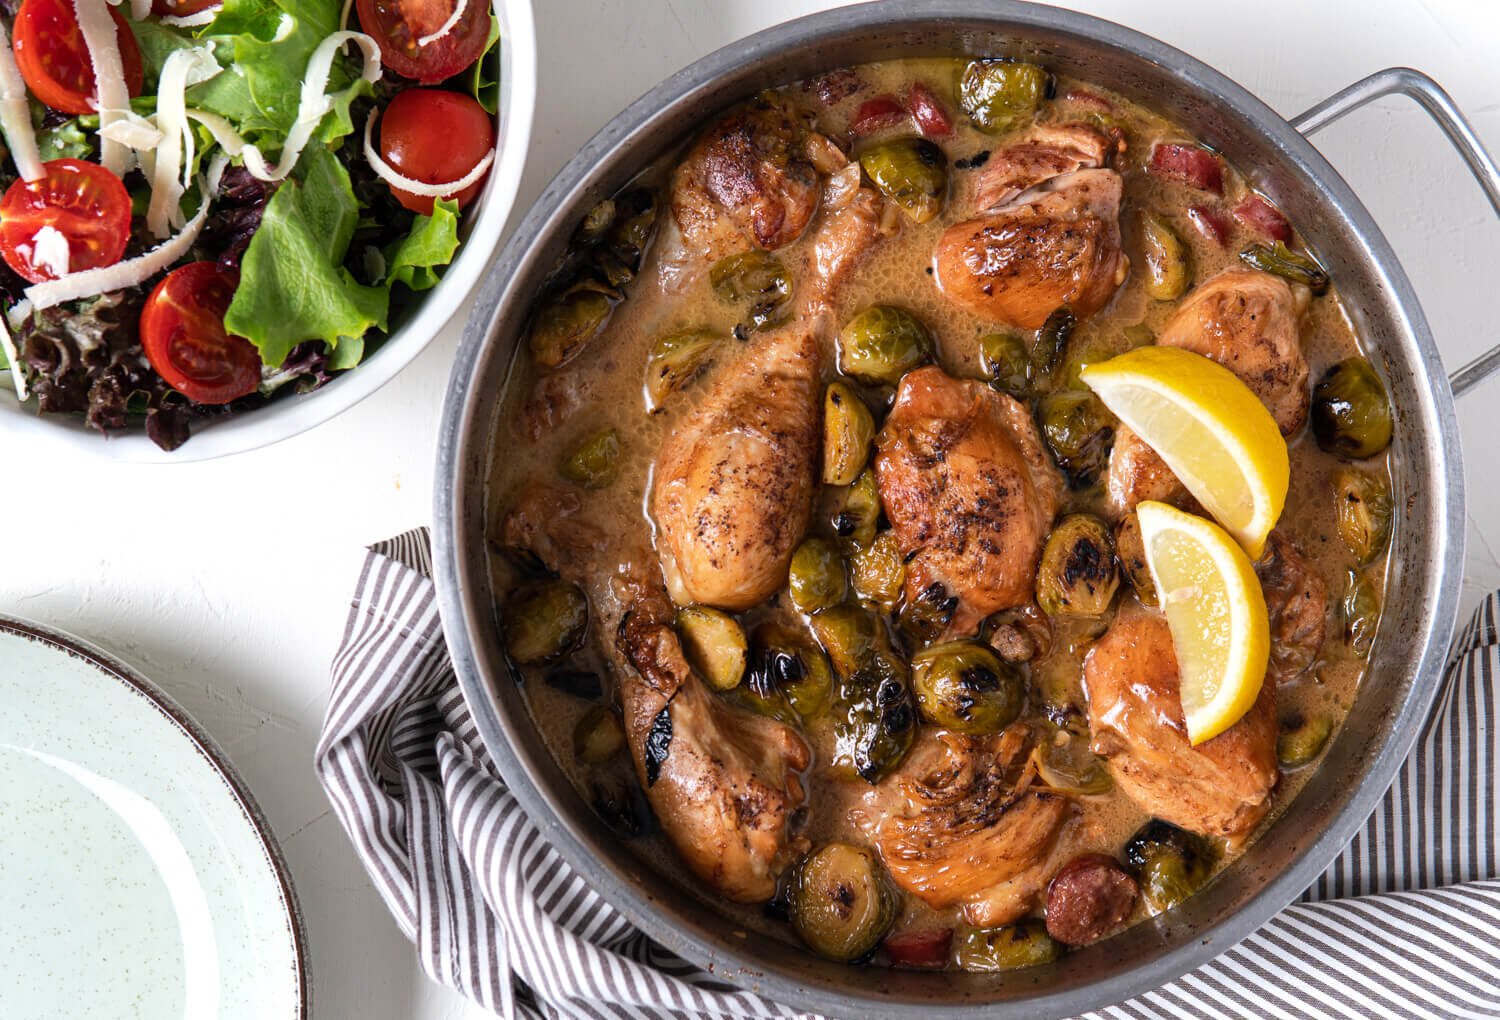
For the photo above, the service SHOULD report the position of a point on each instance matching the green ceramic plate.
(137, 877)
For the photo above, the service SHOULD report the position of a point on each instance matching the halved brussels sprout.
(1364, 512)
(595, 225)
(963, 686)
(924, 619)
(565, 324)
(847, 634)
(595, 462)
(1360, 610)
(786, 666)
(912, 172)
(544, 621)
(883, 343)
(675, 360)
(1012, 947)
(999, 95)
(1130, 554)
(1078, 429)
(634, 223)
(1168, 270)
(1007, 363)
(1351, 414)
(1077, 575)
(842, 902)
(1279, 260)
(817, 579)
(1051, 343)
(715, 645)
(874, 718)
(756, 278)
(856, 520)
(1064, 762)
(1301, 739)
(598, 737)
(1169, 863)
(848, 430)
(878, 571)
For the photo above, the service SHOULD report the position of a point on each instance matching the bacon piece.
(877, 114)
(1210, 223)
(1188, 164)
(932, 120)
(1263, 218)
(921, 948)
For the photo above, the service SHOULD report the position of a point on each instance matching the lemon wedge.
(1217, 614)
(1209, 427)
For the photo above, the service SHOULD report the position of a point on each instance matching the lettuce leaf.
(415, 259)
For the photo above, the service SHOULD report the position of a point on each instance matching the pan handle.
(1439, 106)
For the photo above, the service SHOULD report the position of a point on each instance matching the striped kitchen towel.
(1406, 923)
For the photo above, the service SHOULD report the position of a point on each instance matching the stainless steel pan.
(1407, 666)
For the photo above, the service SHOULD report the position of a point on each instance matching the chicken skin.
(952, 827)
(1044, 152)
(970, 493)
(723, 783)
(1223, 786)
(1297, 601)
(1245, 320)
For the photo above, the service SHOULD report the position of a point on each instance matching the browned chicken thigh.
(970, 493)
(1297, 601)
(1223, 786)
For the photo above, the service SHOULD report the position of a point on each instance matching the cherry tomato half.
(397, 25)
(434, 136)
(182, 330)
(55, 62)
(180, 8)
(77, 202)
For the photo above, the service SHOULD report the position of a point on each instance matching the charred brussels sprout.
(1301, 739)
(1013, 947)
(1051, 342)
(1064, 762)
(1169, 863)
(842, 902)
(878, 572)
(1279, 260)
(1078, 429)
(964, 687)
(923, 619)
(595, 224)
(595, 461)
(1364, 512)
(848, 430)
(715, 645)
(1007, 363)
(999, 95)
(598, 737)
(787, 669)
(1359, 608)
(1130, 553)
(817, 579)
(1077, 575)
(675, 360)
(544, 621)
(754, 278)
(912, 172)
(634, 223)
(856, 520)
(847, 634)
(1351, 414)
(1168, 271)
(883, 343)
(565, 324)
(874, 718)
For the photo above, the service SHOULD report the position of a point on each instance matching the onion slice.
(103, 44)
(447, 26)
(387, 173)
(15, 115)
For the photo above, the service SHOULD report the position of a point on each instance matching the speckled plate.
(137, 877)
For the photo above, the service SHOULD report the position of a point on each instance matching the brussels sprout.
(1360, 610)
(634, 223)
(595, 225)
(1351, 415)
(1077, 575)
(1064, 762)
(1169, 863)
(565, 324)
(544, 621)
(1279, 260)
(715, 645)
(788, 668)
(1302, 739)
(1013, 947)
(756, 278)
(924, 619)
(874, 718)
(817, 579)
(675, 360)
(999, 95)
(842, 902)
(598, 737)
(847, 634)
(1130, 554)
(912, 172)
(1021, 634)
(1364, 512)
(848, 430)
(878, 571)
(1139, 335)
(856, 520)
(595, 461)
(1094, 352)
(963, 686)
(1051, 342)
(1007, 363)
(883, 343)
(1168, 271)
(1078, 429)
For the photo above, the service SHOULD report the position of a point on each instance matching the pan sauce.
(609, 536)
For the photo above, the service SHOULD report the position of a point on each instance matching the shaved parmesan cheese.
(216, 170)
(11, 355)
(447, 26)
(49, 250)
(88, 282)
(138, 8)
(103, 44)
(389, 174)
(344, 15)
(284, 28)
(18, 312)
(15, 115)
(202, 17)
(134, 131)
(181, 69)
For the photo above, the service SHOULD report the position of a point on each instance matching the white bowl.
(287, 416)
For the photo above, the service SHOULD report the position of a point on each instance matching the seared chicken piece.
(722, 782)
(1046, 151)
(1222, 787)
(1297, 599)
(1245, 320)
(952, 827)
(541, 528)
(970, 492)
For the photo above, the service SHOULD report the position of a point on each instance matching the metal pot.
(1407, 666)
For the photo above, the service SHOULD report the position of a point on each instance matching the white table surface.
(227, 582)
